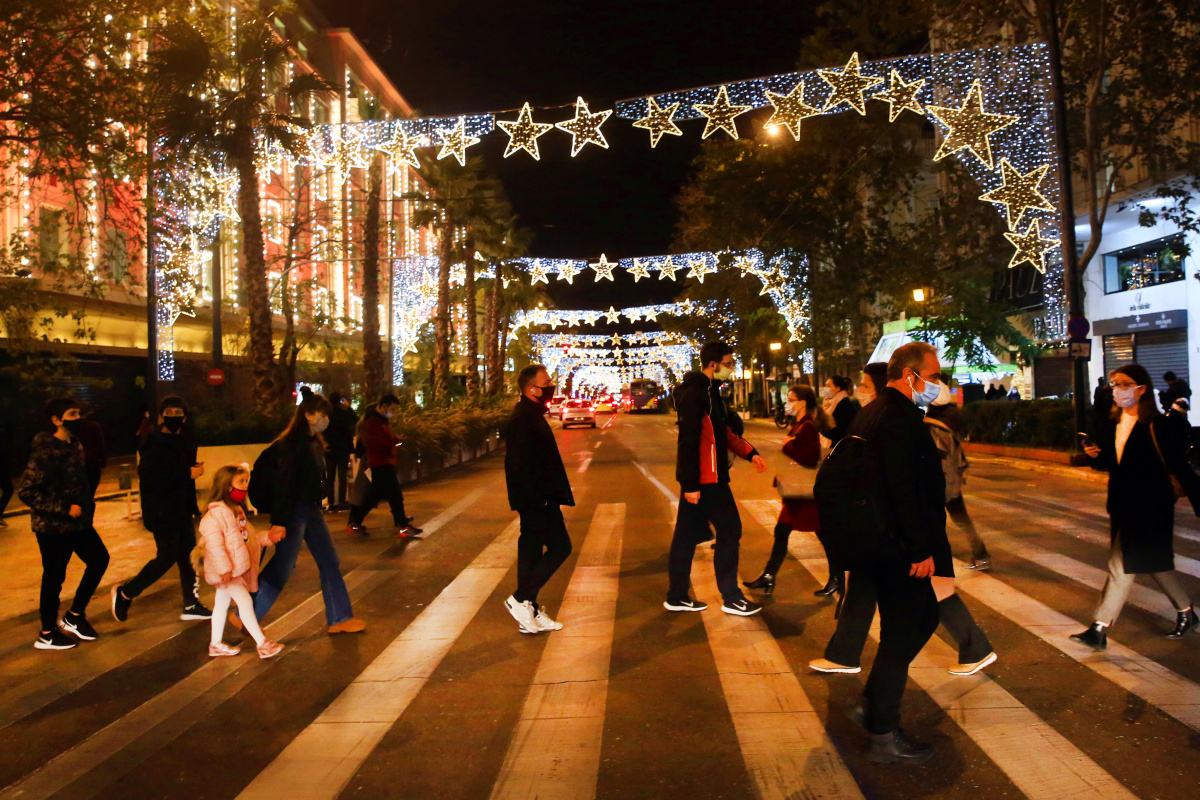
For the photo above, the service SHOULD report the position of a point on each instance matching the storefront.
(990, 372)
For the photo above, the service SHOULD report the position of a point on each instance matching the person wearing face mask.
(167, 473)
(377, 444)
(1143, 451)
(943, 421)
(55, 487)
(702, 469)
(874, 378)
(297, 518)
(538, 488)
(840, 407)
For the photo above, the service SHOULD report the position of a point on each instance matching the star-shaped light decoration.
(615, 338)
(639, 270)
(699, 268)
(455, 142)
(969, 127)
(658, 120)
(538, 273)
(348, 153)
(1031, 247)
(900, 95)
(667, 269)
(848, 85)
(612, 315)
(1019, 193)
(633, 316)
(318, 155)
(651, 315)
(268, 161)
(227, 198)
(584, 127)
(523, 133)
(720, 115)
(790, 109)
(745, 264)
(401, 148)
(568, 271)
(604, 268)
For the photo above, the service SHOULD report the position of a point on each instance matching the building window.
(1145, 265)
(51, 240)
(116, 254)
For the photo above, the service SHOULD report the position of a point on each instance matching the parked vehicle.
(556, 406)
(578, 412)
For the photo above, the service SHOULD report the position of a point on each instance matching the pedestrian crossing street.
(554, 742)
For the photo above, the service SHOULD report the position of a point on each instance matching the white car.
(556, 406)
(578, 412)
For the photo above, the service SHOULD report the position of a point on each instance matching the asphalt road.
(441, 697)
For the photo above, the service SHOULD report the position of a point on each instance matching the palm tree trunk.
(372, 348)
(490, 342)
(495, 370)
(254, 276)
(472, 322)
(441, 326)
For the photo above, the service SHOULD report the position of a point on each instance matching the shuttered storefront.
(1160, 351)
(1118, 350)
(1051, 377)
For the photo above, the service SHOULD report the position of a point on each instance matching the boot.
(832, 587)
(1094, 637)
(896, 748)
(1184, 621)
(764, 583)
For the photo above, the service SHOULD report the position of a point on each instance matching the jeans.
(337, 470)
(541, 549)
(718, 507)
(958, 513)
(305, 524)
(174, 543)
(1116, 588)
(384, 486)
(57, 550)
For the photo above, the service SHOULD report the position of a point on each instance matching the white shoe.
(971, 669)
(523, 613)
(545, 623)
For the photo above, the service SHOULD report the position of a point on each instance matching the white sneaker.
(523, 613)
(545, 623)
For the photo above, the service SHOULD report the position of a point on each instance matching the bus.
(645, 395)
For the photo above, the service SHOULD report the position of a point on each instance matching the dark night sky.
(463, 56)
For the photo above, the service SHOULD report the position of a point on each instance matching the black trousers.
(57, 550)
(337, 470)
(94, 471)
(384, 486)
(6, 488)
(908, 616)
(541, 549)
(174, 542)
(717, 507)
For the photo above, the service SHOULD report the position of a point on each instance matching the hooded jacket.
(55, 480)
(704, 435)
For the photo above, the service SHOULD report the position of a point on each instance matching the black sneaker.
(686, 604)
(195, 611)
(410, 532)
(896, 748)
(120, 604)
(742, 608)
(55, 640)
(78, 625)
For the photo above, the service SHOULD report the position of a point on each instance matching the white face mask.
(944, 397)
(794, 408)
(826, 393)
(1125, 397)
(722, 372)
(864, 397)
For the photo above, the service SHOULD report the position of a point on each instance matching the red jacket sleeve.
(379, 439)
(738, 445)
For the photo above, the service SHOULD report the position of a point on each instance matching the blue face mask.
(924, 398)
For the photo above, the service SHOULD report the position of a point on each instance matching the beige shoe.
(971, 669)
(269, 649)
(825, 665)
(221, 649)
(352, 625)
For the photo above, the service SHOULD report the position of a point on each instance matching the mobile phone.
(1085, 440)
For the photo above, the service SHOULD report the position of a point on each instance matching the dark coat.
(1141, 502)
(843, 417)
(339, 436)
(705, 435)
(533, 467)
(168, 493)
(299, 476)
(55, 480)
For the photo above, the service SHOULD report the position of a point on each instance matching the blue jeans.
(305, 524)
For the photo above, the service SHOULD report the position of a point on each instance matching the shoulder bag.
(1176, 486)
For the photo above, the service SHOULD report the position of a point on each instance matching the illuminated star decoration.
(719, 115)
(604, 268)
(639, 270)
(400, 148)
(348, 153)
(667, 269)
(651, 315)
(612, 314)
(969, 127)
(1031, 247)
(699, 268)
(538, 272)
(455, 142)
(568, 271)
(584, 127)
(658, 120)
(1019, 193)
(848, 86)
(790, 109)
(269, 161)
(523, 133)
(901, 95)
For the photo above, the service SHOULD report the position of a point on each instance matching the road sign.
(1078, 327)
(216, 377)
(1081, 349)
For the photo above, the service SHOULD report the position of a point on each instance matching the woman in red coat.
(802, 445)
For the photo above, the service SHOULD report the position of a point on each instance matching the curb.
(1079, 473)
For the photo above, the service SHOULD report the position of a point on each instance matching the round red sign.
(216, 377)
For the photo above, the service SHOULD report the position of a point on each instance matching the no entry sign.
(216, 377)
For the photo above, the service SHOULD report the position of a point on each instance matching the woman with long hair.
(840, 406)
(1143, 451)
(803, 445)
(296, 517)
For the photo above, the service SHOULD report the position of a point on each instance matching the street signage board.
(1078, 327)
(1081, 349)
(216, 377)
(1153, 321)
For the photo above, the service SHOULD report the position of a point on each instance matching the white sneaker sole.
(515, 610)
(192, 617)
(737, 612)
(699, 607)
(71, 629)
(838, 670)
(973, 668)
(40, 645)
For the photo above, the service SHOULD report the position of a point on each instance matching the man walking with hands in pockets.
(537, 490)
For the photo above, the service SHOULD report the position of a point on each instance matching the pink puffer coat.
(231, 545)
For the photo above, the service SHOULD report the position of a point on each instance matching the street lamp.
(919, 295)
(776, 346)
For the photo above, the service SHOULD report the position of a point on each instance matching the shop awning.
(899, 333)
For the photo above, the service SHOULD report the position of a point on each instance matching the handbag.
(1176, 485)
(795, 482)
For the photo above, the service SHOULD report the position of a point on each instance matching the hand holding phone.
(1085, 440)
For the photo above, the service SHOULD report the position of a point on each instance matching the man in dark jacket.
(1176, 388)
(55, 487)
(339, 443)
(167, 473)
(377, 444)
(702, 469)
(537, 490)
(95, 452)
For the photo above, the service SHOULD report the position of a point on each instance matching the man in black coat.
(537, 489)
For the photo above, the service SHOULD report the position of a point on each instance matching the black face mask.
(173, 424)
(548, 393)
(73, 426)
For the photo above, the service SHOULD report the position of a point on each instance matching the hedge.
(1027, 423)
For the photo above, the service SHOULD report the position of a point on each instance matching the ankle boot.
(896, 748)
(1094, 637)
(764, 583)
(1184, 621)
(832, 587)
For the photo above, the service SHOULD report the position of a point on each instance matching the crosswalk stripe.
(324, 756)
(555, 750)
(1039, 760)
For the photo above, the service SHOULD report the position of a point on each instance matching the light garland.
(848, 86)
(1031, 247)
(523, 133)
(455, 142)
(720, 114)
(585, 127)
(969, 127)
(1019, 193)
(659, 120)
(790, 110)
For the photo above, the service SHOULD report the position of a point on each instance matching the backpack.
(850, 504)
(262, 479)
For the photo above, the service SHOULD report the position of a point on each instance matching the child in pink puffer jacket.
(230, 548)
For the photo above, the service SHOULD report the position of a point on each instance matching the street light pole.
(151, 287)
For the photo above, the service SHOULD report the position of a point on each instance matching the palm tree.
(373, 362)
(499, 242)
(215, 105)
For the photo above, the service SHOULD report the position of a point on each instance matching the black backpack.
(851, 506)
(262, 479)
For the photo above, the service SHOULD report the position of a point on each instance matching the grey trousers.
(1116, 588)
